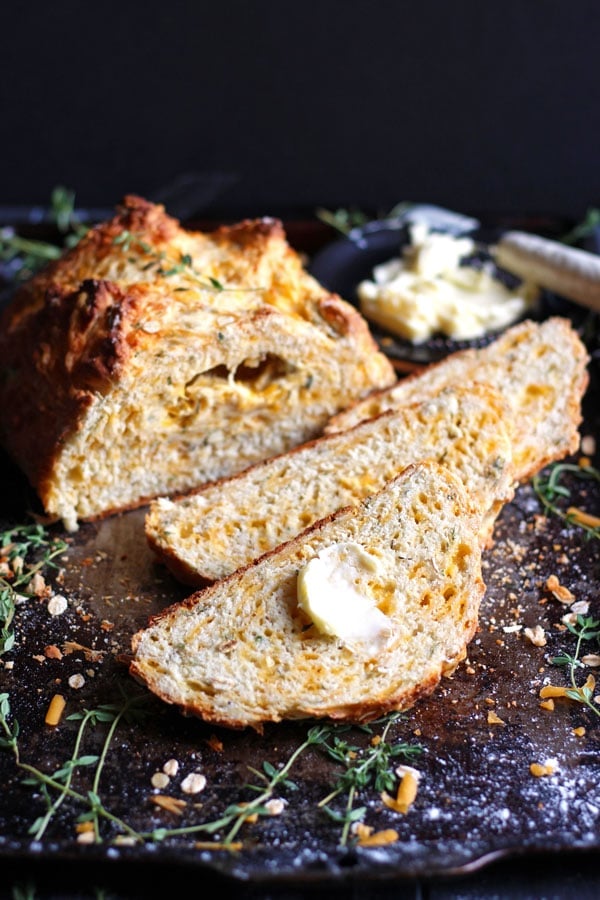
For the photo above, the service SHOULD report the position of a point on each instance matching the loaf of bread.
(149, 360)
(540, 370)
(404, 570)
(208, 534)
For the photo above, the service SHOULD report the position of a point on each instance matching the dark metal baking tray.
(477, 799)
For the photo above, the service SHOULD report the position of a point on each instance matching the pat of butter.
(428, 291)
(333, 590)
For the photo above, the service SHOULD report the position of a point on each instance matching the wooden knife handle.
(572, 273)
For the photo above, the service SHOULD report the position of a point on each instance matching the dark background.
(484, 107)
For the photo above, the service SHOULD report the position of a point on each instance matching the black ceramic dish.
(341, 265)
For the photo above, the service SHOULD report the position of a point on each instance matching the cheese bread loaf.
(208, 534)
(149, 360)
(358, 615)
(540, 369)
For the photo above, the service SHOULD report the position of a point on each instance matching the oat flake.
(57, 605)
(193, 783)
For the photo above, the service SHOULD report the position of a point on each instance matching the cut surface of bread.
(150, 359)
(242, 652)
(540, 370)
(210, 533)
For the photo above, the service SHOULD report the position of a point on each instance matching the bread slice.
(210, 533)
(242, 652)
(149, 360)
(540, 370)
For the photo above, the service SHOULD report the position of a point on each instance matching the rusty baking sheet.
(477, 799)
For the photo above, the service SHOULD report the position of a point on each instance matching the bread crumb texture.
(242, 653)
(150, 359)
(540, 369)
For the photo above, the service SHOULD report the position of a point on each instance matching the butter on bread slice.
(150, 359)
(538, 368)
(208, 534)
(243, 652)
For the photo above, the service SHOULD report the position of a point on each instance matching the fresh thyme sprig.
(342, 220)
(590, 222)
(16, 572)
(549, 486)
(363, 768)
(24, 256)
(61, 780)
(158, 261)
(366, 768)
(585, 628)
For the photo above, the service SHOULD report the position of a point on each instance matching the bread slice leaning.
(206, 535)
(241, 652)
(540, 370)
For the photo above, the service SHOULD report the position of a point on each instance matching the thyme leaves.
(362, 770)
(552, 490)
(24, 551)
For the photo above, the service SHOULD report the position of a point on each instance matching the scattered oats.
(38, 584)
(76, 681)
(160, 780)
(20, 599)
(9, 665)
(536, 635)
(39, 658)
(494, 719)
(490, 701)
(275, 806)
(588, 444)
(547, 704)
(53, 652)
(125, 840)
(591, 659)
(171, 767)
(569, 619)
(510, 629)
(470, 670)
(193, 783)
(105, 625)
(86, 837)
(57, 605)
(581, 607)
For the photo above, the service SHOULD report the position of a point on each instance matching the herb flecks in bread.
(538, 368)
(149, 360)
(208, 534)
(242, 653)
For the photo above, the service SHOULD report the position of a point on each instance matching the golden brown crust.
(72, 333)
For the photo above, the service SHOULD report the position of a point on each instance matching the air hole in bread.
(257, 374)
